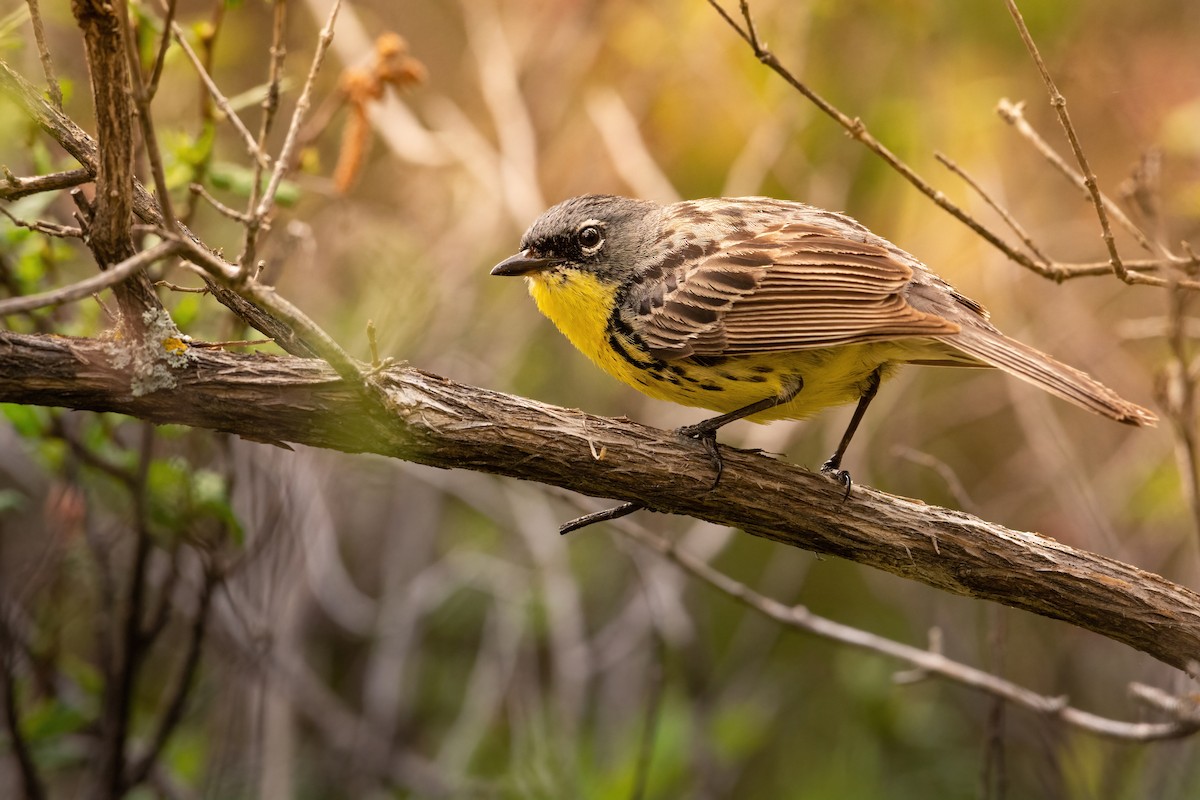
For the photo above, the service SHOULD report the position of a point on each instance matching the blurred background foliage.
(380, 629)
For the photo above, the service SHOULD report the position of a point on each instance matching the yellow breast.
(580, 306)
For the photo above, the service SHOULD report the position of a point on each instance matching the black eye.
(590, 237)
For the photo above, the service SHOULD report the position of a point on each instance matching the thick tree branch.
(109, 228)
(434, 421)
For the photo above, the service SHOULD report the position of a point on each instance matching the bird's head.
(598, 234)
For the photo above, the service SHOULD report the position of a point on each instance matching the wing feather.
(783, 287)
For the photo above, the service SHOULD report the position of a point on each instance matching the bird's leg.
(833, 467)
(706, 430)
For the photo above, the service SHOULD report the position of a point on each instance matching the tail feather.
(997, 350)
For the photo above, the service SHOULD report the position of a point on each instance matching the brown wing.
(793, 286)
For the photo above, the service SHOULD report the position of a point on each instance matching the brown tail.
(997, 350)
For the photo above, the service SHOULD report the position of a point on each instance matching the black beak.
(523, 263)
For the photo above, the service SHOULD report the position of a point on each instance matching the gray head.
(599, 233)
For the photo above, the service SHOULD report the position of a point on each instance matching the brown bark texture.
(406, 413)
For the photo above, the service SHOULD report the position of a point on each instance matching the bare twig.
(929, 661)
(141, 100)
(199, 190)
(270, 102)
(953, 483)
(1096, 268)
(177, 695)
(1184, 709)
(1014, 115)
(89, 286)
(14, 188)
(163, 45)
(270, 105)
(283, 162)
(232, 343)
(85, 149)
(1046, 264)
(1059, 104)
(174, 287)
(858, 130)
(42, 226)
(230, 276)
(218, 97)
(39, 36)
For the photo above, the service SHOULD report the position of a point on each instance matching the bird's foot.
(833, 468)
(707, 436)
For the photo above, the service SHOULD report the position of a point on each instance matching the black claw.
(708, 438)
(834, 470)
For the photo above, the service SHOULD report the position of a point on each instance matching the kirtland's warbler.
(762, 309)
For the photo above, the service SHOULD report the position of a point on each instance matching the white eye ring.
(591, 238)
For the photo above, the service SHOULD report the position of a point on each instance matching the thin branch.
(174, 287)
(928, 661)
(41, 226)
(270, 105)
(1014, 115)
(89, 286)
(265, 296)
(128, 650)
(232, 343)
(221, 208)
(164, 44)
(39, 36)
(1089, 178)
(14, 188)
(270, 102)
(1096, 268)
(953, 483)
(1177, 391)
(858, 130)
(286, 153)
(217, 96)
(141, 101)
(177, 695)
(1183, 708)
(1046, 263)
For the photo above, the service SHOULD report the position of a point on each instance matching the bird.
(763, 309)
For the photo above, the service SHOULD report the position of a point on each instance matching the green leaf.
(27, 421)
(50, 720)
(239, 180)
